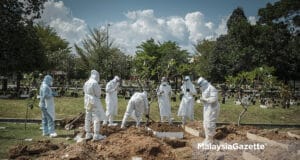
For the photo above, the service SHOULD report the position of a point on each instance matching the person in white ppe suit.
(47, 107)
(186, 107)
(163, 97)
(211, 109)
(93, 107)
(136, 107)
(111, 100)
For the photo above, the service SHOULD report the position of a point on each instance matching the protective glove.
(187, 90)
(203, 99)
(147, 115)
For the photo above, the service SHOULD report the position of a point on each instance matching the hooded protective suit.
(186, 108)
(137, 105)
(93, 106)
(211, 109)
(111, 99)
(47, 106)
(163, 97)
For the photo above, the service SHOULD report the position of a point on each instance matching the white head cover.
(116, 79)
(145, 94)
(95, 75)
(187, 78)
(164, 79)
(202, 82)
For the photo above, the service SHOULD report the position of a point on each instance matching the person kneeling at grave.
(137, 106)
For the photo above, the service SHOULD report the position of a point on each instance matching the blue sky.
(134, 21)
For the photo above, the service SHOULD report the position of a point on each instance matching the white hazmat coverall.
(111, 100)
(137, 105)
(93, 106)
(211, 109)
(186, 108)
(163, 97)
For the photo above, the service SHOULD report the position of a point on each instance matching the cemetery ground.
(14, 134)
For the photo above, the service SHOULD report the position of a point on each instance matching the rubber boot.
(111, 121)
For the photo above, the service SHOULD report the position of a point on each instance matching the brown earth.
(165, 127)
(139, 142)
(197, 125)
(233, 132)
(122, 144)
(26, 151)
(225, 132)
(274, 134)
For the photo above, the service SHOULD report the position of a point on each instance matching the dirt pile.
(233, 132)
(74, 122)
(197, 125)
(35, 149)
(273, 134)
(165, 127)
(120, 144)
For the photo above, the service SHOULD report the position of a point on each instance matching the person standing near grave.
(111, 100)
(211, 109)
(137, 105)
(163, 97)
(47, 107)
(92, 104)
(186, 108)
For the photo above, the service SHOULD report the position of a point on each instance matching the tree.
(204, 51)
(97, 53)
(20, 48)
(280, 37)
(154, 60)
(55, 48)
(284, 11)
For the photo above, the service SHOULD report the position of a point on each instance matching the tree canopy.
(154, 60)
(270, 42)
(20, 48)
(98, 53)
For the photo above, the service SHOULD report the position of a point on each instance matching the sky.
(134, 21)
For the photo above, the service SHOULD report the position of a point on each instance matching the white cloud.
(209, 25)
(59, 17)
(222, 28)
(143, 24)
(137, 27)
(252, 20)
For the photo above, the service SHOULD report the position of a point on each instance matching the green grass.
(14, 134)
(67, 107)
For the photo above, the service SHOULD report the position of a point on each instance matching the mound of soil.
(233, 132)
(123, 144)
(105, 130)
(22, 151)
(197, 125)
(274, 134)
(165, 127)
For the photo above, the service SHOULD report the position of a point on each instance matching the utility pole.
(107, 48)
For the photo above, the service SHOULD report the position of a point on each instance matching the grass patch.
(67, 107)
